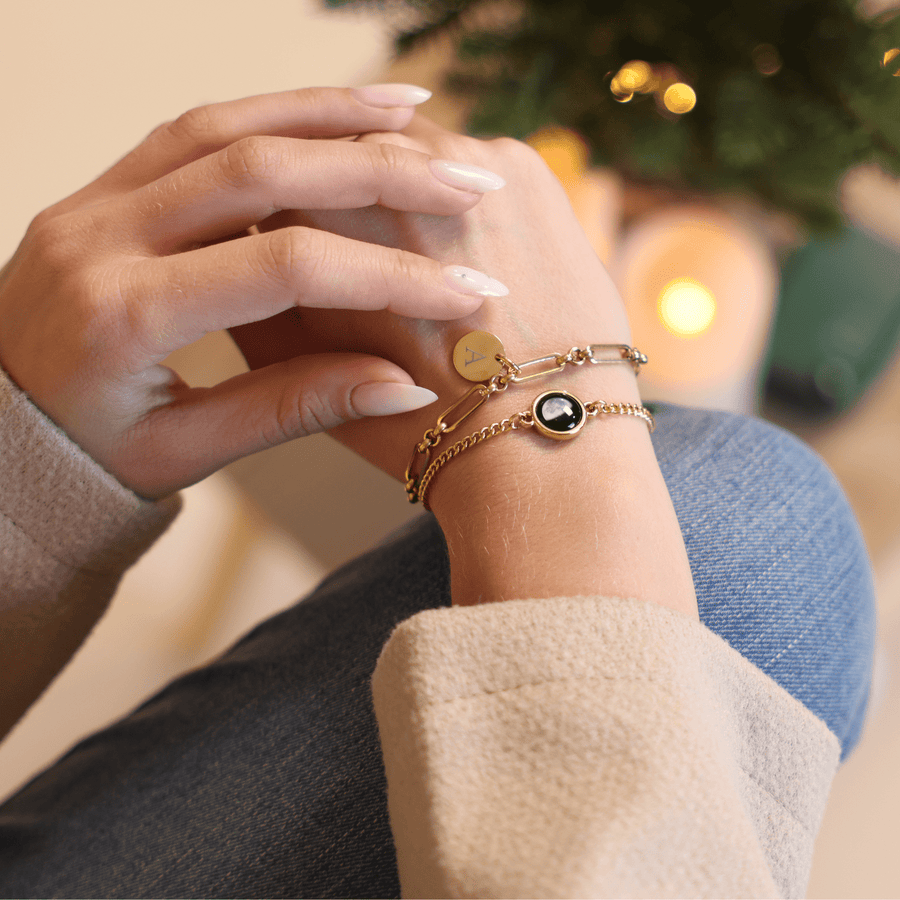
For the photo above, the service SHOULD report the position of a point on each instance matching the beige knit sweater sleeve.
(68, 529)
(591, 747)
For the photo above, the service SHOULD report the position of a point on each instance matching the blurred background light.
(680, 98)
(686, 307)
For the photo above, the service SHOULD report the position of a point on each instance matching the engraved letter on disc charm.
(475, 356)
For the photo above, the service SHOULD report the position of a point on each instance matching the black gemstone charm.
(558, 415)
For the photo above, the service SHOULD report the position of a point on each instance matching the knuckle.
(459, 143)
(508, 145)
(250, 159)
(310, 99)
(390, 157)
(514, 149)
(61, 242)
(404, 267)
(164, 129)
(518, 154)
(314, 413)
(450, 145)
(44, 218)
(285, 250)
(196, 126)
(397, 268)
(93, 295)
(301, 414)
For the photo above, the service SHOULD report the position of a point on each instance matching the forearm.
(68, 531)
(529, 517)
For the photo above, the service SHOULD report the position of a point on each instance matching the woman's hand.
(162, 249)
(527, 234)
(523, 516)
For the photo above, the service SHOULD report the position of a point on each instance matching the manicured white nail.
(384, 96)
(471, 281)
(387, 398)
(462, 175)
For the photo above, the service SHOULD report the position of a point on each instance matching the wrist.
(523, 453)
(528, 517)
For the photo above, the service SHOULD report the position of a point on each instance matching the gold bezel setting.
(548, 421)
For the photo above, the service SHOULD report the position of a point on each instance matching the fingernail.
(470, 281)
(387, 398)
(462, 175)
(384, 96)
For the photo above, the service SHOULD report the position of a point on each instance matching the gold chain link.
(511, 373)
(513, 423)
(519, 420)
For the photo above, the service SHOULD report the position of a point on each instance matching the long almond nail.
(465, 176)
(471, 281)
(384, 96)
(387, 398)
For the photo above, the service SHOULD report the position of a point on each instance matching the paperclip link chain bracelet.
(568, 420)
(510, 373)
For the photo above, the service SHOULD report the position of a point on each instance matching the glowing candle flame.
(686, 307)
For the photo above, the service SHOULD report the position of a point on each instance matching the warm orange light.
(636, 75)
(686, 307)
(619, 89)
(564, 151)
(679, 98)
(889, 57)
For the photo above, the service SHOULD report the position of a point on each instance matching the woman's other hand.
(523, 516)
(163, 249)
(526, 234)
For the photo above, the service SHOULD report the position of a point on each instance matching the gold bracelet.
(555, 414)
(501, 373)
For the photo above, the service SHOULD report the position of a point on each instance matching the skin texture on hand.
(163, 249)
(560, 294)
(522, 518)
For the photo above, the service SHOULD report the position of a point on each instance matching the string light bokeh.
(662, 80)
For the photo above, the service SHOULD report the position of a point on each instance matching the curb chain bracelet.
(555, 414)
(499, 372)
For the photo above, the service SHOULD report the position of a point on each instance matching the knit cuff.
(57, 501)
(589, 746)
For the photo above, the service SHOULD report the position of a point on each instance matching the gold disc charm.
(475, 356)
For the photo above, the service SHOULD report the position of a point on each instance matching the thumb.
(204, 429)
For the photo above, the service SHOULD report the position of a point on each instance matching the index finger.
(320, 112)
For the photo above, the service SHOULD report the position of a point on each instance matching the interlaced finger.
(320, 112)
(226, 192)
(185, 296)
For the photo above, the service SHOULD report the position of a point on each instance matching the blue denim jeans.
(260, 775)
